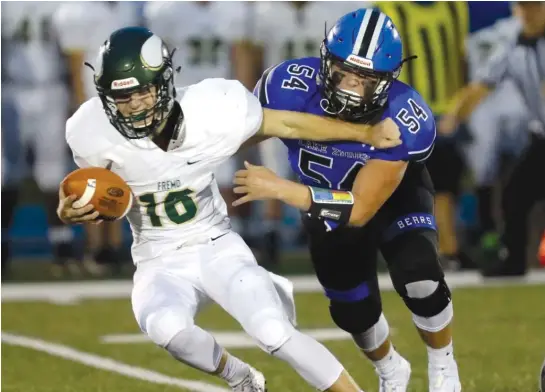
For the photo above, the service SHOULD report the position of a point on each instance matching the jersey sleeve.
(416, 124)
(237, 115)
(85, 141)
(288, 85)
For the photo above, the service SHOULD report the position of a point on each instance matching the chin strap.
(178, 136)
(325, 104)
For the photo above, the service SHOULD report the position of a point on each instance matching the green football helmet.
(134, 59)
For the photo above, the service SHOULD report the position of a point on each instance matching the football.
(105, 190)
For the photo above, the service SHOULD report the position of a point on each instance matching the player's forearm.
(294, 125)
(299, 196)
(467, 100)
(294, 194)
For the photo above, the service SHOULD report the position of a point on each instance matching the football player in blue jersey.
(358, 200)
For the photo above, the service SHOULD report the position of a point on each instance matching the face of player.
(137, 103)
(352, 83)
(532, 16)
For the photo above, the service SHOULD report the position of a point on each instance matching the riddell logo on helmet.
(362, 62)
(124, 83)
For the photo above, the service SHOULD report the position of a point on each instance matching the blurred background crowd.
(44, 80)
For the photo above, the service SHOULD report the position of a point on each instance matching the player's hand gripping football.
(256, 182)
(67, 213)
(385, 134)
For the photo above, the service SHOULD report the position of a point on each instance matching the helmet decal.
(121, 84)
(152, 53)
(368, 33)
(99, 64)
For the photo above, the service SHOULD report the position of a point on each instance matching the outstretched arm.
(374, 184)
(294, 125)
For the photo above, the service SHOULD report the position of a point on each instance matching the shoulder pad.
(89, 132)
(227, 98)
(287, 86)
(215, 91)
(415, 121)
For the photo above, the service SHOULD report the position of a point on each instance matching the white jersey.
(27, 28)
(177, 200)
(202, 34)
(287, 32)
(84, 26)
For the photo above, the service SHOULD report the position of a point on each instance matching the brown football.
(105, 190)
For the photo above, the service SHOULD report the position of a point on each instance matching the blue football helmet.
(366, 43)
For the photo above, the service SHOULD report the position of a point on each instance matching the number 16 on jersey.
(179, 207)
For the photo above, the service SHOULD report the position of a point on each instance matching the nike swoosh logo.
(192, 162)
(214, 239)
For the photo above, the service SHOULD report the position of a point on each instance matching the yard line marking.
(236, 339)
(232, 339)
(108, 364)
(69, 292)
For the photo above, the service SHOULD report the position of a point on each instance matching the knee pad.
(427, 298)
(414, 266)
(162, 324)
(356, 317)
(270, 329)
(430, 303)
(419, 279)
(256, 304)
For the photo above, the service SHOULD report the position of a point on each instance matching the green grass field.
(499, 344)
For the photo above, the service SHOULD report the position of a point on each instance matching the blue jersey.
(292, 85)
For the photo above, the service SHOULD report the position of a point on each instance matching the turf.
(499, 344)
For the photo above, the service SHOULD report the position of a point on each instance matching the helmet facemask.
(149, 121)
(348, 105)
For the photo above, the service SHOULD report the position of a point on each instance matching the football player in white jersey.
(211, 41)
(82, 27)
(165, 143)
(285, 30)
(497, 126)
(34, 71)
